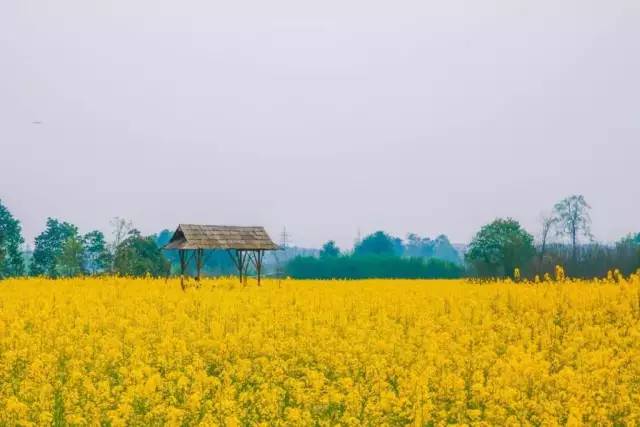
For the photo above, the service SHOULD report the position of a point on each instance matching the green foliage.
(49, 245)
(3, 253)
(627, 254)
(138, 255)
(443, 249)
(424, 247)
(97, 258)
(11, 260)
(631, 240)
(70, 260)
(498, 248)
(371, 266)
(329, 250)
(378, 243)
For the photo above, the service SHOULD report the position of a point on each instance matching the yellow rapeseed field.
(116, 351)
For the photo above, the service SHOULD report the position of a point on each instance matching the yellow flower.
(125, 351)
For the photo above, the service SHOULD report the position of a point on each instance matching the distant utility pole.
(284, 238)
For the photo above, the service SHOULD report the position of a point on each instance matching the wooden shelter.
(243, 244)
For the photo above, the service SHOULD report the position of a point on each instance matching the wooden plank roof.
(192, 236)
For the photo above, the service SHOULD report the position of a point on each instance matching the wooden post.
(245, 267)
(257, 262)
(239, 259)
(199, 254)
(183, 266)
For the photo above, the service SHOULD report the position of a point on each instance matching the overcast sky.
(325, 117)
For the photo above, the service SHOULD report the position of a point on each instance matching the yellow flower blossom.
(121, 351)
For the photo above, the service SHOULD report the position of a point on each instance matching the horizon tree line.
(496, 250)
(503, 245)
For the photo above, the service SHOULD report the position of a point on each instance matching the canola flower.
(120, 352)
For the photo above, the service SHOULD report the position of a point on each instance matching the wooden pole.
(257, 261)
(245, 267)
(183, 266)
(199, 253)
(260, 258)
(239, 261)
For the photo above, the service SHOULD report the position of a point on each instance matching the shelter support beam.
(257, 259)
(199, 262)
(182, 254)
(240, 258)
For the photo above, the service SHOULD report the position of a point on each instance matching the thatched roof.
(190, 236)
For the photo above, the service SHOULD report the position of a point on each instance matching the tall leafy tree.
(499, 247)
(573, 219)
(424, 247)
(378, 243)
(627, 251)
(97, 258)
(11, 259)
(49, 245)
(443, 249)
(418, 247)
(172, 256)
(329, 250)
(138, 255)
(70, 259)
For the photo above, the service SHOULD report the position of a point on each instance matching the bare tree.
(547, 222)
(121, 228)
(573, 220)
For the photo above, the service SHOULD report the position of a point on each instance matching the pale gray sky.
(325, 116)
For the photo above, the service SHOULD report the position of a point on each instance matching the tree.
(138, 255)
(378, 243)
(627, 254)
(548, 222)
(3, 253)
(372, 266)
(443, 249)
(418, 247)
(329, 250)
(398, 246)
(69, 261)
(440, 248)
(97, 258)
(573, 220)
(499, 247)
(49, 246)
(11, 260)
(121, 229)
